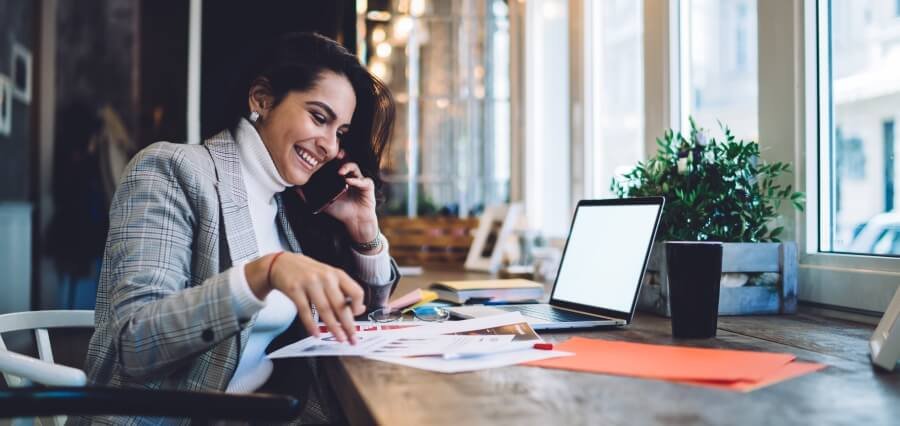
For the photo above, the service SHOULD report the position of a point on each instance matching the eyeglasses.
(423, 313)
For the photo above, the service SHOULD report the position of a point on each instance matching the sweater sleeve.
(375, 269)
(245, 302)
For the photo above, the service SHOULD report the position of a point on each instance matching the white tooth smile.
(306, 157)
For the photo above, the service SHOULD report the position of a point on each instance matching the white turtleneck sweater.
(262, 181)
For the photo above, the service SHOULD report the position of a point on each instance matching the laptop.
(601, 268)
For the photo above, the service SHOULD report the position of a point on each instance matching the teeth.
(308, 158)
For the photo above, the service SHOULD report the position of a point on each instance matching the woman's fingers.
(350, 288)
(350, 170)
(337, 297)
(328, 314)
(341, 310)
(364, 184)
(305, 313)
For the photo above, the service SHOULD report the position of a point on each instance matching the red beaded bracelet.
(271, 264)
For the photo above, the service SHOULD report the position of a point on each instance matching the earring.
(254, 117)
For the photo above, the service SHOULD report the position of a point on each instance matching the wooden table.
(849, 391)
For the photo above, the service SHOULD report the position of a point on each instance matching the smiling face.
(303, 131)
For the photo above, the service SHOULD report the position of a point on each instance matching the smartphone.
(324, 186)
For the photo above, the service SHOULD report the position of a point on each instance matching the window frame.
(825, 277)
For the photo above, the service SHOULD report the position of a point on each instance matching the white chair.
(63, 390)
(21, 371)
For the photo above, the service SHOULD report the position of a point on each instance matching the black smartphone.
(324, 186)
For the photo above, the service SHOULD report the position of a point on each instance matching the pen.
(510, 348)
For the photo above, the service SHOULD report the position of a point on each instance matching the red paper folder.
(786, 372)
(719, 368)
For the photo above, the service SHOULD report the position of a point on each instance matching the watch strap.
(369, 245)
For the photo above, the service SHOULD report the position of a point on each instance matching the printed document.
(496, 341)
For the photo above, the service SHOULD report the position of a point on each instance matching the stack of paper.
(718, 368)
(447, 347)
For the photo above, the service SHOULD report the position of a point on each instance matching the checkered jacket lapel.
(237, 226)
(285, 226)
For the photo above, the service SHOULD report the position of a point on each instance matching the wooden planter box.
(757, 278)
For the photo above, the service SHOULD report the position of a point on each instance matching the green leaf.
(776, 232)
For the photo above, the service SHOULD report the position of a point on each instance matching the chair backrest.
(19, 370)
(67, 393)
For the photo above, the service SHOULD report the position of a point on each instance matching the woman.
(212, 252)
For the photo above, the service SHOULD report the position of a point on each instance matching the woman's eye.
(319, 118)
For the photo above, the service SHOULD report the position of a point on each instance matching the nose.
(328, 145)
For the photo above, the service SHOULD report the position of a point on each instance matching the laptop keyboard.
(548, 313)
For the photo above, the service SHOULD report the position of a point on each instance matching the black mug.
(694, 273)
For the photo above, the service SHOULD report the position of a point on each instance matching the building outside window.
(859, 209)
(719, 47)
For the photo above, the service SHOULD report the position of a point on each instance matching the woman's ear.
(260, 97)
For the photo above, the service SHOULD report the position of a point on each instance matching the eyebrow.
(331, 115)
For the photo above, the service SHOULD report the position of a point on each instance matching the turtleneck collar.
(262, 178)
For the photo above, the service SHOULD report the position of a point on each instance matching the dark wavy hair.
(294, 63)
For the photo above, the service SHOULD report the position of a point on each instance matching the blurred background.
(536, 102)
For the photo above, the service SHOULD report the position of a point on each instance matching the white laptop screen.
(605, 255)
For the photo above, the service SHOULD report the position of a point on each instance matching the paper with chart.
(476, 335)
(501, 359)
(369, 343)
(504, 324)
(326, 345)
(423, 347)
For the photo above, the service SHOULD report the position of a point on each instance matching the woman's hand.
(356, 209)
(305, 280)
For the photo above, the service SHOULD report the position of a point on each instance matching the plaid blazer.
(164, 316)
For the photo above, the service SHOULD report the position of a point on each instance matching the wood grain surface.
(849, 391)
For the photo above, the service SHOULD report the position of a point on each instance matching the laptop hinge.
(617, 320)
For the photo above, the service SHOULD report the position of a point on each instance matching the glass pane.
(618, 92)
(447, 62)
(723, 55)
(865, 59)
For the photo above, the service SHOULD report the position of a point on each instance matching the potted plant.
(720, 190)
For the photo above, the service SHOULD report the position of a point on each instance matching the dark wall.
(131, 55)
(95, 57)
(163, 71)
(17, 26)
(232, 29)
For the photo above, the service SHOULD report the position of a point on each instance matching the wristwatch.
(369, 245)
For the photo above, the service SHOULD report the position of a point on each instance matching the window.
(739, 62)
(616, 97)
(447, 64)
(849, 95)
(858, 205)
(547, 171)
(720, 54)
